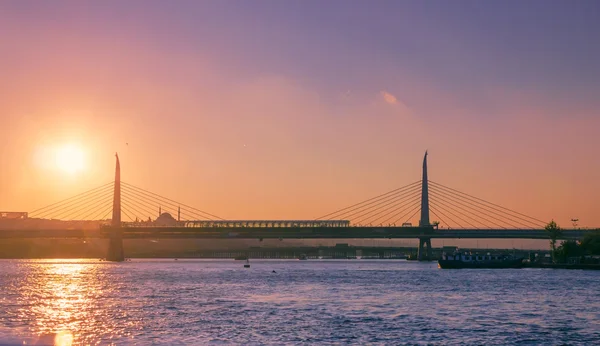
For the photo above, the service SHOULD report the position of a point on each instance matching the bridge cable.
(496, 205)
(106, 211)
(138, 214)
(474, 208)
(126, 211)
(73, 205)
(91, 213)
(154, 211)
(449, 218)
(75, 208)
(455, 207)
(68, 204)
(368, 200)
(84, 211)
(415, 198)
(175, 202)
(165, 201)
(155, 203)
(491, 205)
(484, 212)
(129, 210)
(70, 198)
(151, 209)
(451, 213)
(378, 203)
(416, 210)
(137, 207)
(364, 209)
(77, 211)
(484, 209)
(364, 205)
(398, 204)
(87, 206)
(395, 201)
(144, 201)
(439, 217)
(399, 210)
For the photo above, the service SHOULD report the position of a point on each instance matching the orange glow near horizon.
(270, 171)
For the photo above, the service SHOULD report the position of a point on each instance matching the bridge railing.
(241, 224)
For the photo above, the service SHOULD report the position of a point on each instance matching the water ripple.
(187, 302)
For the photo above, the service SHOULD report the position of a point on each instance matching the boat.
(476, 261)
(247, 264)
(303, 257)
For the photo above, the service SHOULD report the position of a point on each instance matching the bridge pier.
(115, 246)
(424, 221)
(424, 255)
(115, 242)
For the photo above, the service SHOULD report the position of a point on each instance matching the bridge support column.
(424, 254)
(115, 246)
(115, 242)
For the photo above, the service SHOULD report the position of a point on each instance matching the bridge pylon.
(424, 221)
(424, 255)
(115, 243)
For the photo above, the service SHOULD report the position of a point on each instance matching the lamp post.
(574, 221)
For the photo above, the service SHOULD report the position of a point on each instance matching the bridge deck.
(297, 233)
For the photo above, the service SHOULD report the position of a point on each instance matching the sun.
(70, 159)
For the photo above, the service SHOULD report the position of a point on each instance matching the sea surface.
(329, 302)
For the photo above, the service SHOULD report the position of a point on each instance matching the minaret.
(424, 196)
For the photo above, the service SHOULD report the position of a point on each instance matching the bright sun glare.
(70, 159)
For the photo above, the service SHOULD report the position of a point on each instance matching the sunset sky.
(294, 109)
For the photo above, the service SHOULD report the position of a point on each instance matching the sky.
(294, 109)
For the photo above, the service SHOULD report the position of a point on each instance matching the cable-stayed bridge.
(119, 210)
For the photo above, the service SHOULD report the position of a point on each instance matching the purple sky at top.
(546, 46)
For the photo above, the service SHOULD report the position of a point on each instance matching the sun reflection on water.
(60, 299)
(63, 339)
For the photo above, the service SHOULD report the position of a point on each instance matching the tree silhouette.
(591, 243)
(554, 233)
(568, 248)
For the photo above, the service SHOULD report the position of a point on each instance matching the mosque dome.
(165, 219)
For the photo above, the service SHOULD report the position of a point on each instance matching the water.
(197, 302)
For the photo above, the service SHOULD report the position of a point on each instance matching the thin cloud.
(396, 104)
(389, 98)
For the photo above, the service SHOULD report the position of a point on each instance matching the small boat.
(475, 261)
(247, 264)
(303, 257)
